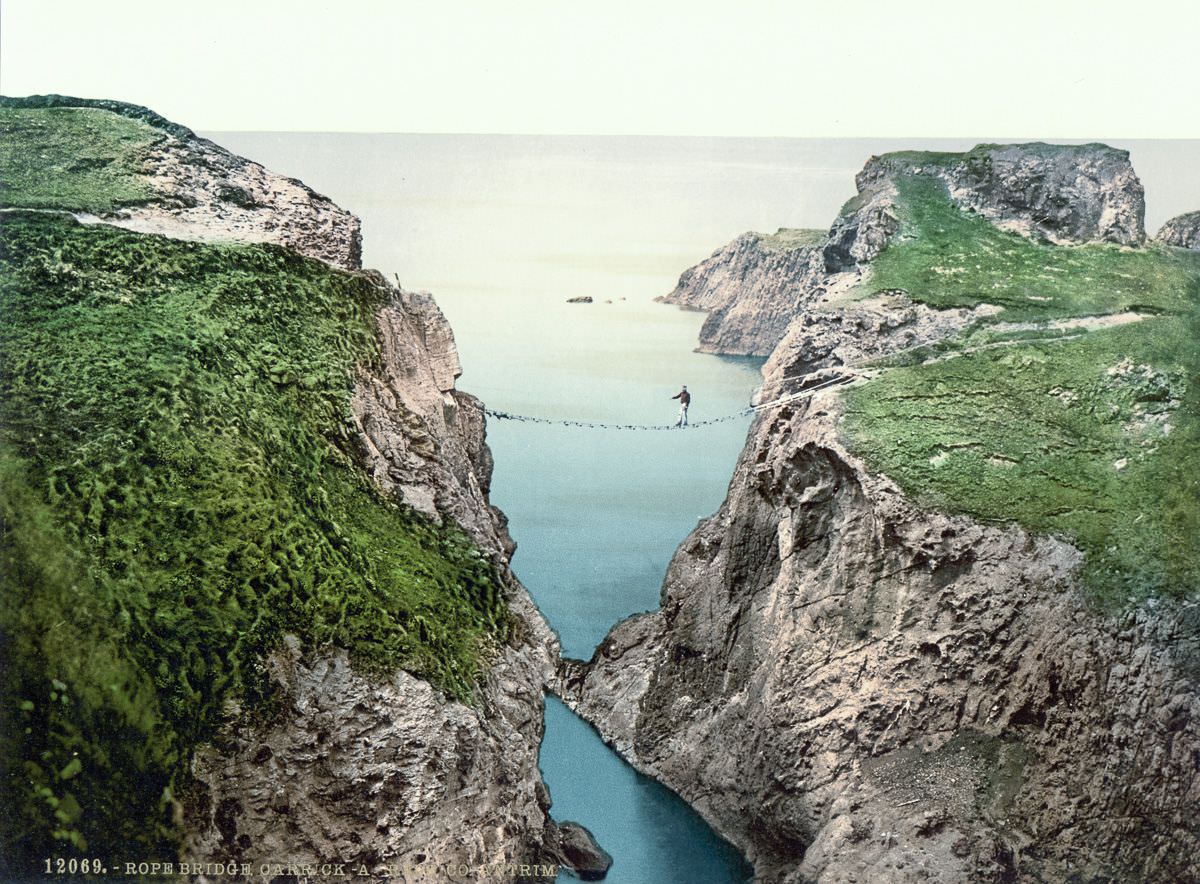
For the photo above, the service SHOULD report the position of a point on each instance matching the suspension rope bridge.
(750, 409)
(852, 374)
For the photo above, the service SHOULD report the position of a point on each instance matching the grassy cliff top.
(76, 159)
(1090, 432)
(121, 108)
(945, 257)
(178, 490)
(788, 238)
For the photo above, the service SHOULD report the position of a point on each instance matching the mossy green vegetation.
(946, 257)
(76, 159)
(179, 491)
(1091, 435)
(977, 157)
(122, 108)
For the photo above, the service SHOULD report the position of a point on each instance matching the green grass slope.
(1091, 435)
(946, 257)
(76, 159)
(178, 490)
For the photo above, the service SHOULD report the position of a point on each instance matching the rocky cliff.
(192, 188)
(916, 642)
(753, 287)
(391, 719)
(1064, 194)
(390, 774)
(749, 289)
(1182, 230)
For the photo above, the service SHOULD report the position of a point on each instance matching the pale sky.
(840, 68)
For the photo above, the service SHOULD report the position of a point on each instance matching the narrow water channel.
(504, 230)
(598, 514)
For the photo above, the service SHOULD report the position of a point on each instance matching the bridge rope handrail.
(750, 409)
(851, 374)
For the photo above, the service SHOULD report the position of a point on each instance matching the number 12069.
(62, 866)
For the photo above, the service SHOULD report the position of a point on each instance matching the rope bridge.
(750, 409)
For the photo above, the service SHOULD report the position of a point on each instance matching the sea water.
(504, 230)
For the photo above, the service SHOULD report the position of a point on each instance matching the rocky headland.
(1182, 230)
(944, 626)
(191, 188)
(749, 290)
(754, 287)
(301, 728)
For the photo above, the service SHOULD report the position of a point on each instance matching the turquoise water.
(598, 513)
(503, 229)
(654, 837)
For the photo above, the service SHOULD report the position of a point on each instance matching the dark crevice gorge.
(261, 607)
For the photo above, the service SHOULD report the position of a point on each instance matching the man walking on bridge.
(685, 399)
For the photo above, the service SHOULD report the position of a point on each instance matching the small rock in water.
(578, 850)
(583, 299)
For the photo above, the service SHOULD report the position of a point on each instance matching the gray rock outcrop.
(750, 289)
(576, 849)
(850, 687)
(1182, 230)
(1061, 193)
(422, 439)
(753, 287)
(208, 194)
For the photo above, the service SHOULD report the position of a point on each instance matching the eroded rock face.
(854, 332)
(1064, 194)
(390, 773)
(208, 194)
(577, 849)
(422, 439)
(1061, 193)
(382, 774)
(1182, 230)
(851, 688)
(751, 290)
